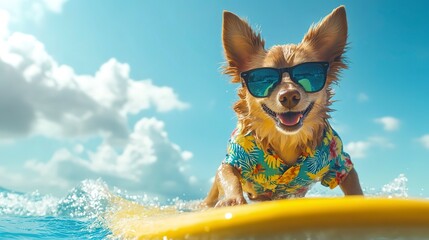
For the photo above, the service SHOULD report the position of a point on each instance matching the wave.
(90, 199)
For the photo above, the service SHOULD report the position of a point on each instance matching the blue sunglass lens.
(261, 82)
(311, 76)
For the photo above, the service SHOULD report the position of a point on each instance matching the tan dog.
(283, 142)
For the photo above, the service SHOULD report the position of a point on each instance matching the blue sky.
(132, 91)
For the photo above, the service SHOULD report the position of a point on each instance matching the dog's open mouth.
(289, 121)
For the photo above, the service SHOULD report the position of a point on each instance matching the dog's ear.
(241, 44)
(328, 38)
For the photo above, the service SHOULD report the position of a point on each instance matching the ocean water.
(81, 213)
(78, 215)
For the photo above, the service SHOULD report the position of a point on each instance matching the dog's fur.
(244, 50)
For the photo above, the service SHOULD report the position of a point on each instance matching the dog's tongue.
(289, 118)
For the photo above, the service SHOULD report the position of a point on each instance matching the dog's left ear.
(241, 44)
(328, 38)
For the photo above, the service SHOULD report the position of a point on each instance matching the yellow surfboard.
(307, 218)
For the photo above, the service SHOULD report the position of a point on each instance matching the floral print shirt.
(270, 176)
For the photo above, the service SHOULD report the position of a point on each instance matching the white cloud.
(79, 148)
(362, 97)
(389, 123)
(39, 96)
(43, 97)
(359, 149)
(149, 163)
(55, 6)
(424, 140)
(31, 10)
(186, 155)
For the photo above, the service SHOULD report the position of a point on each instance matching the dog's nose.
(289, 98)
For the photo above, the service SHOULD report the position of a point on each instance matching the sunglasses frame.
(289, 70)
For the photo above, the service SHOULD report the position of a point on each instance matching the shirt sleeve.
(238, 152)
(340, 164)
(235, 154)
(231, 157)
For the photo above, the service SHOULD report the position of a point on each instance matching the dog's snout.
(289, 98)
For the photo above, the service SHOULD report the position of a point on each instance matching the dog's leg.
(351, 185)
(212, 196)
(226, 190)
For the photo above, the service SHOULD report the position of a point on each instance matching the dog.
(283, 142)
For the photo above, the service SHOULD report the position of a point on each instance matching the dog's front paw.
(231, 201)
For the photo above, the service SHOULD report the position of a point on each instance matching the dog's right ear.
(241, 44)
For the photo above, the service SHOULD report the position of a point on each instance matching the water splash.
(88, 200)
(142, 199)
(30, 204)
(397, 188)
(153, 202)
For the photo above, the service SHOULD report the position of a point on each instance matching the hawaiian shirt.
(270, 176)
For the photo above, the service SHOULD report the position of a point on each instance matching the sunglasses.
(311, 76)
